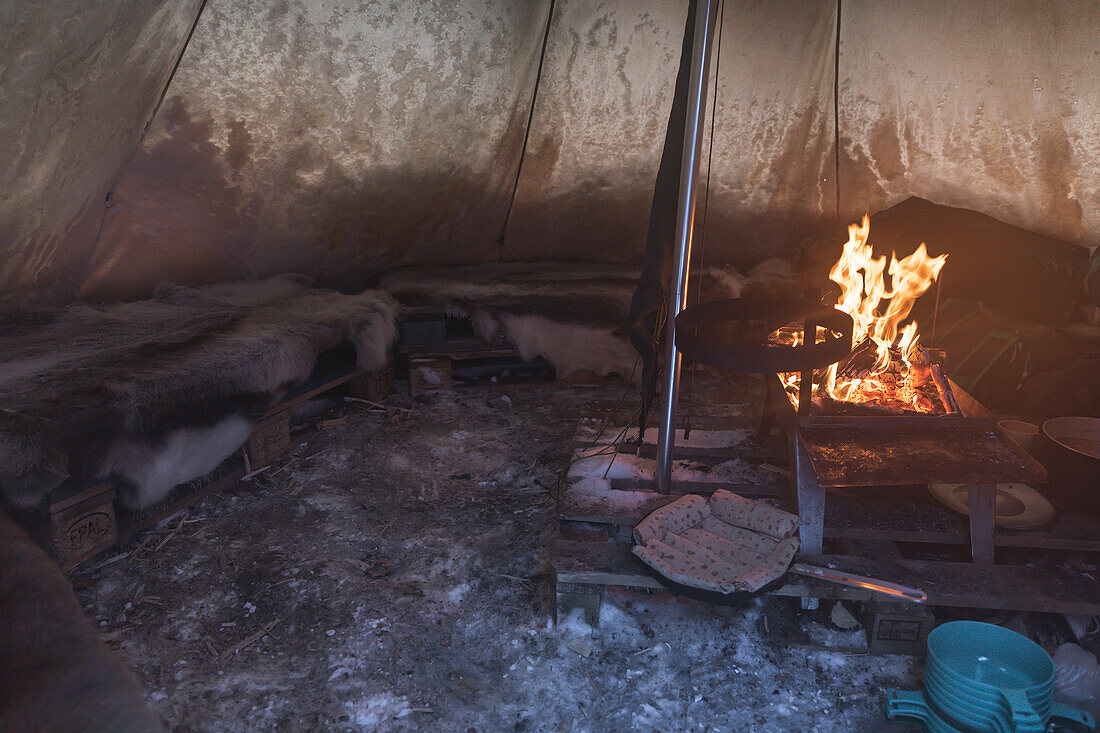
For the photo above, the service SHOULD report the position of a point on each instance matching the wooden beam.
(962, 585)
(700, 487)
(982, 503)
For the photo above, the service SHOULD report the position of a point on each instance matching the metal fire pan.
(701, 335)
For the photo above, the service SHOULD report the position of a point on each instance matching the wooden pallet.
(430, 365)
(580, 506)
(917, 519)
(595, 433)
(586, 567)
(82, 523)
(270, 437)
(905, 520)
(586, 561)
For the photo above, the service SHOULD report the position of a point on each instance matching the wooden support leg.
(811, 508)
(982, 502)
(270, 439)
(811, 503)
(575, 595)
(767, 414)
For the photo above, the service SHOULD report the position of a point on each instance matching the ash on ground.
(391, 574)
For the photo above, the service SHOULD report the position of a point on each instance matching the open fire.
(888, 370)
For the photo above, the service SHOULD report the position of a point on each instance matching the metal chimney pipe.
(685, 221)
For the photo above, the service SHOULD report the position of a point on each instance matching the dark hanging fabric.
(649, 305)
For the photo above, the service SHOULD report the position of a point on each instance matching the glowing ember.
(888, 369)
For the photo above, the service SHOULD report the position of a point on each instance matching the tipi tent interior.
(548, 365)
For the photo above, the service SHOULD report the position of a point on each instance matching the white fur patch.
(573, 314)
(187, 454)
(571, 347)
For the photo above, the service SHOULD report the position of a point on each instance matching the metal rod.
(685, 220)
(916, 595)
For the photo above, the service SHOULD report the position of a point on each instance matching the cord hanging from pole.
(836, 115)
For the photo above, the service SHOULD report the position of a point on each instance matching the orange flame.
(878, 312)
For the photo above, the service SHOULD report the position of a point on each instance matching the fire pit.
(874, 408)
(887, 370)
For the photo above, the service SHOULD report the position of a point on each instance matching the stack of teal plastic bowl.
(982, 677)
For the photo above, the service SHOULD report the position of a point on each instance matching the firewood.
(944, 389)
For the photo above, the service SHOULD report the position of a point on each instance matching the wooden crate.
(83, 524)
(898, 628)
(375, 386)
(429, 374)
(270, 438)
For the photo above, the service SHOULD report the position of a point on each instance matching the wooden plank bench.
(585, 567)
(83, 521)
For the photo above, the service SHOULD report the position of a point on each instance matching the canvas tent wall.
(340, 140)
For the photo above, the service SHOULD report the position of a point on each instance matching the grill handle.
(858, 581)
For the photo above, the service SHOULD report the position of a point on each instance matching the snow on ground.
(659, 663)
(390, 575)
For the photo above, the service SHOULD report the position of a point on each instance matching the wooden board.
(577, 506)
(270, 438)
(961, 585)
(429, 374)
(305, 392)
(63, 498)
(589, 434)
(695, 422)
(701, 487)
(869, 451)
(80, 530)
(460, 350)
(908, 514)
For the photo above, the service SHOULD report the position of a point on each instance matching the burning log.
(860, 363)
(944, 389)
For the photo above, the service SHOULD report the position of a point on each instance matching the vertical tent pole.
(685, 220)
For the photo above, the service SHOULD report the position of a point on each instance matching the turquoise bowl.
(985, 676)
(946, 685)
(982, 677)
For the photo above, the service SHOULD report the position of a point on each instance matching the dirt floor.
(390, 575)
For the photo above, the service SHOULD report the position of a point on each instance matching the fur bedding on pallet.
(161, 391)
(572, 314)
